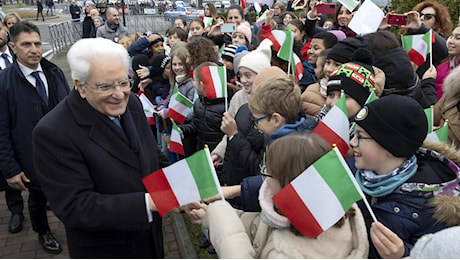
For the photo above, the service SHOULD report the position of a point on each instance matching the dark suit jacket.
(92, 177)
(20, 110)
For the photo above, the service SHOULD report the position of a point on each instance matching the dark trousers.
(40, 12)
(14, 201)
(37, 210)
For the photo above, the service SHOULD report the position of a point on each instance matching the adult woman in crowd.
(342, 19)
(430, 15)
(210, 11)
(10, 19)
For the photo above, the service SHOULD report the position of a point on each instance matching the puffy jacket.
(244, 151)
(406, 210)
(159, 88)
(312, 100)
(206, 121)
(442, 71)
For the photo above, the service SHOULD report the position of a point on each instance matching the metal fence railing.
(64, 34)
(68, 32)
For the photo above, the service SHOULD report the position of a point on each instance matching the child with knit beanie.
(398, 176)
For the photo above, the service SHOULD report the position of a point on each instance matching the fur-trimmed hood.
(446, 207)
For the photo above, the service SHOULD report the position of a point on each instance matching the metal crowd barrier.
(64, 34)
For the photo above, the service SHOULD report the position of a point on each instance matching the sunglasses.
(428, 16)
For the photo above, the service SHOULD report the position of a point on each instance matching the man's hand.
(387, 243)
(152, 206)
(17, 182)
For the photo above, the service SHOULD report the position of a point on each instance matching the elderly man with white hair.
(91, 153)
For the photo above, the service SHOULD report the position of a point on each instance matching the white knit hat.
(258, 59)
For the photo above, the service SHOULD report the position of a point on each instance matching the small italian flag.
(261, 19)
(297, 67)
(287, 43)
(188, 180)
(214, 80)
(243, 4)
(179, 106)
(334, 128)
(439, 135)
(319, 196)
(207, 21)
(175, 143)
(257, 7)
(429, 117)
(148, 108)
(417, 46)
(371, 97)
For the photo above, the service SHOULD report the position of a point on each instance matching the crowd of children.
(263, 125)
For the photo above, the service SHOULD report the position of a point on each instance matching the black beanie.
(397, 123)
(140, 59)
(355, 78)
(344, 50)
(159, 63)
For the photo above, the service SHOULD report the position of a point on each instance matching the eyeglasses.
(255, 121)
(428, 16)
(107, 87)
(263, 170)
(359, 137)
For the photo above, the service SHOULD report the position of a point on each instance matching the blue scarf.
(381, 185)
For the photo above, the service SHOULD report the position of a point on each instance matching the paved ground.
(25, 244)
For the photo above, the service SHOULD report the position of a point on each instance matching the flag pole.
(290, 51)
(213, 170)
(226, 90)
(431, 48)
(355, 182)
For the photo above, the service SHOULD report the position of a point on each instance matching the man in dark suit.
(29, 89)
(91, 153)
(13, 197)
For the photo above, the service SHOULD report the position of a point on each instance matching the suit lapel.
(100, 132)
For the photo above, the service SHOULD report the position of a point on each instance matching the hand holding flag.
(191, 179)
(320, 196)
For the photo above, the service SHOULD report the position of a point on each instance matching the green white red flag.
(319, 196)
(149, 110)
(439, 135)
(258, 8)
(186, 181)
(179, 106)
(261, 19)
(175, 143)
(334, 128)
(417, 46)
(297, 67)
(214, 80)
(429, 116)
(207, 21)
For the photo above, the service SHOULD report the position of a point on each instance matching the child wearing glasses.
(269, 234)
(400, 177)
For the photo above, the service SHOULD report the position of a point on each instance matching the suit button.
(256, 245)
(415, 215)
(396, 210)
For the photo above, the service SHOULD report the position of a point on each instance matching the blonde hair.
(181, 53)
(276, 95)
(125, 40)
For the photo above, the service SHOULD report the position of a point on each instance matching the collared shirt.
(2, 61)
(27, 73)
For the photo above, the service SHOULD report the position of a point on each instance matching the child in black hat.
(398, 177)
